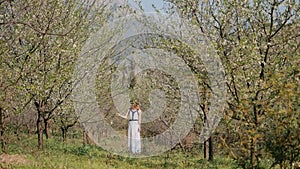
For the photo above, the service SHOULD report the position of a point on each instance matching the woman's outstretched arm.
(124, 116)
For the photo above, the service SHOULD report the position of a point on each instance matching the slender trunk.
(39, 127)
(84, 136)
(253, 151)
(28, 129)
(46, 123)
(64, 133)
(205, 149)
(210, 149)
(86, 139)
(65, 128)
(2, 130)
(208, 144)
(252, 154)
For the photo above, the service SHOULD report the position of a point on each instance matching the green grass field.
(73, 155)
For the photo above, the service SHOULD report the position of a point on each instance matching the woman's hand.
(139, 129)
(124, 116)
(121, 115)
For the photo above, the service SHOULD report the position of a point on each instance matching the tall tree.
(249, 38)
(45, 39)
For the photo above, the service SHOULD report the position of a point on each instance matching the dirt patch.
(13, 159)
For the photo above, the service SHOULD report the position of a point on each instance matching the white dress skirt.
(134, 139)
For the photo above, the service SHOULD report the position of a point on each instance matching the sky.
(147, 4)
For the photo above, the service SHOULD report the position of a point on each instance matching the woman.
(134, 127)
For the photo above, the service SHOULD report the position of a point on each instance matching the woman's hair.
(135, 104)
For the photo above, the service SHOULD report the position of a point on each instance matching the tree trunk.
(65, 128)
(205, 149)
(39, 127)
(208, 144)
(46, 123)
(85, 138)
(210, 149)
(252, 154)
(2, 130)
(64, 133)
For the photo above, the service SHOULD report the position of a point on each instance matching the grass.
(73, 155)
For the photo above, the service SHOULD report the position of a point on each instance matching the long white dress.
(134, 139)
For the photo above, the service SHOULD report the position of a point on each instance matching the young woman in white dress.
(134, 114)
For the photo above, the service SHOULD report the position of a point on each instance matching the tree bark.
(252, 154)
(208, 144)
(2, 130)
(65, 128)
(64, 133)
(39, 127)
(205, 149)
(46, 123)
(85, 138)
(210, 149)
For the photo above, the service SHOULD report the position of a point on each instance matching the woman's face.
(135, 106)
